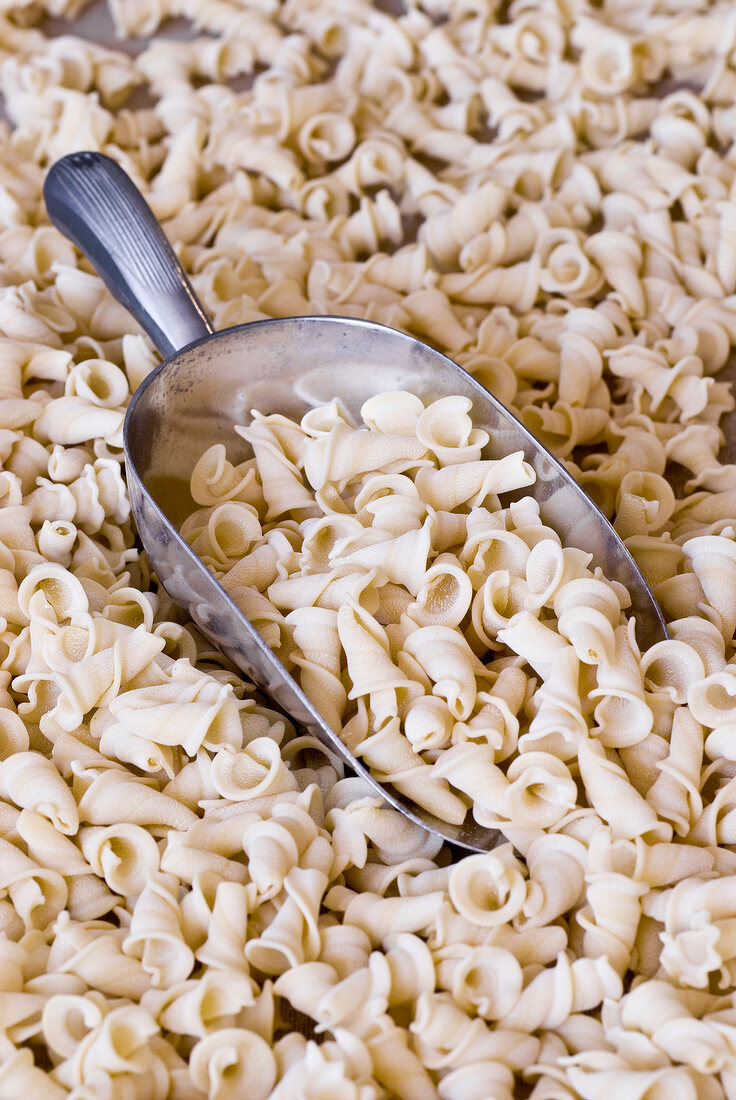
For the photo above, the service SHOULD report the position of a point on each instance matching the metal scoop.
(210, 382)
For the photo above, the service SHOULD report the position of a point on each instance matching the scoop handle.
(91, 200)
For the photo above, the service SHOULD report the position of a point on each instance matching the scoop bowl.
(209, 382)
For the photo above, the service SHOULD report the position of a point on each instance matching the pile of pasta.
(195, 901)
(378, 563)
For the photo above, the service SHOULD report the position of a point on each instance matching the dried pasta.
(195, 901)
(391, 670)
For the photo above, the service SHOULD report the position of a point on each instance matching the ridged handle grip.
(91, 200)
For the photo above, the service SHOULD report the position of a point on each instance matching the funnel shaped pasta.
(546, 193)
(406, 590)
(31, 781)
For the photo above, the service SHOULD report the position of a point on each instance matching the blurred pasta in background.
(195, 900)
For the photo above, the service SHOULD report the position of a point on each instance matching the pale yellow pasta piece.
(645, 502)
(155, 935)
(389, 1048)
(154, 712)
(251, 772)
(380, 917)
(215, 480)
(713, 564)
(445, 657)
(488, 889)
(618, 1077)
(403, 560)
(292, 936)
(56, 540)
(304, 986)
(126, 855)
(557, 866)
(50, 847)
(276, 845)
(447, 430)
(281, 481)
(19, 1075)
(447, 1037)
(319, 660)
(698, 926)
(344, 453)
(51, 590)
(500, 599)
(346, 1064)
(704, 637)
(516, 286)
(71, 420)
(448, 230)
(13, 734)
(610, 918)
(186, 860)
(486, 978)
(225, 535)
(711, 699)
(670, 668)
(59, 1013)
(366, 649)
(390, 756)
(38, 894)
(32, 782)
(90, 664)
(365, 819)
(115, 796)
(428, 723)
(349, 1002)
(622, 715)
(558, 721)
(655, 1004)
(537, 643)
(199, 1007)
(472, 481)
(540, 792)
(551, 998)
(495, 720)
(118, 1045)
(612, 796)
